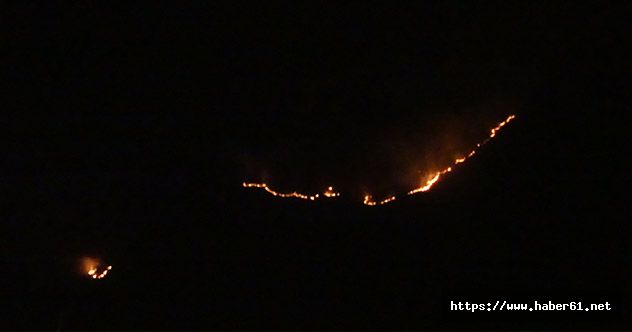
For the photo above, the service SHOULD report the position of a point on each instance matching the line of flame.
(93, 272)
(328, 193)
(435, 178)
(368, 199)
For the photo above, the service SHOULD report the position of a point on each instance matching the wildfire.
(328, 193)
(500, 125)
(429, 183)
(95, 269)
(368, 199)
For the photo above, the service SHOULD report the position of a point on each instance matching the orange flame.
(328, 193)
(368, 199)
(429, 183)
(92, 266)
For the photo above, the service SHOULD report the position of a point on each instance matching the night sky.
(129, 129)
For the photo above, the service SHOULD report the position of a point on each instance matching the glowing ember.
(94, 268)
(429, 183)
(328, 193)
(368, 199)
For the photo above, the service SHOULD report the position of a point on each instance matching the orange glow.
(500, 125)
(328, 193)
(91, 267)
(368, 199)
(387, 200)
(428, 184)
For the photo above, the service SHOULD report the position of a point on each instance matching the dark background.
(130, 127)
